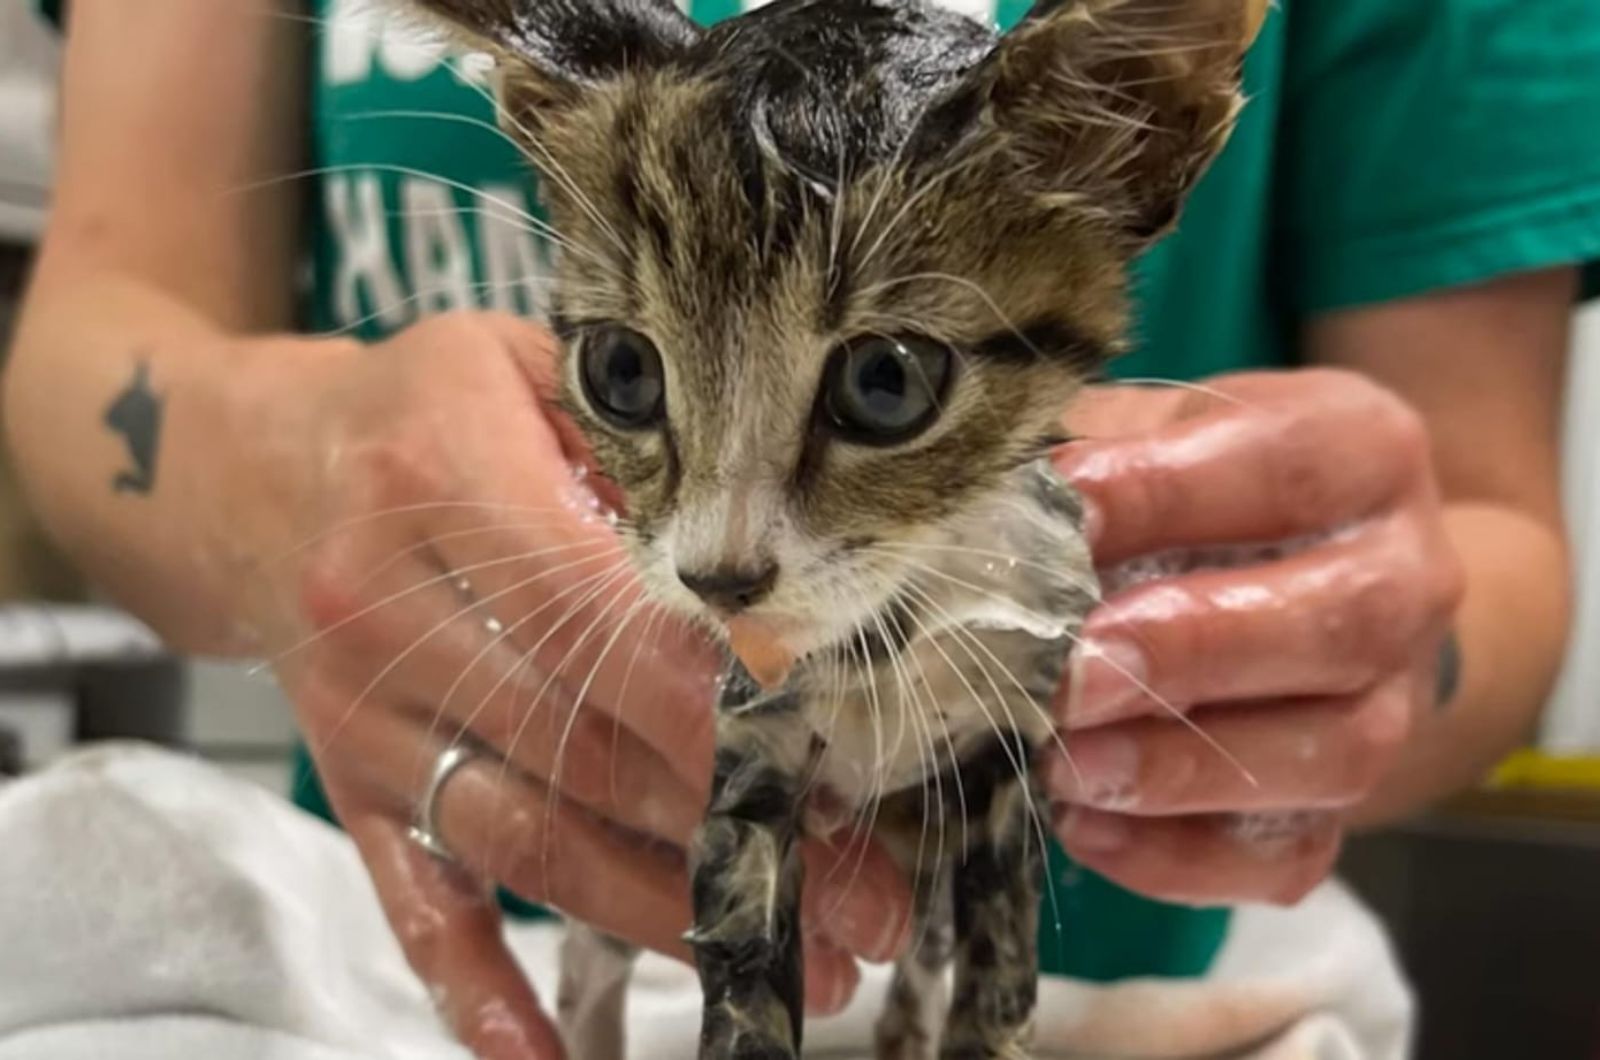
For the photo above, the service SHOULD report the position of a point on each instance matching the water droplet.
(494, 626)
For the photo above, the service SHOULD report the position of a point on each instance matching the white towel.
(152, 907)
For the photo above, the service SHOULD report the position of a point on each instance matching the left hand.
(1304, 669)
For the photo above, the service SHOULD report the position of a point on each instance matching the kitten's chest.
(997, 606)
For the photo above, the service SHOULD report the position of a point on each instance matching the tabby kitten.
(830, 272)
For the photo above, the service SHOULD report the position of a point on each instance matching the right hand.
(379, 483)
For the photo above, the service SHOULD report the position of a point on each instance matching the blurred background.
(1479, 895)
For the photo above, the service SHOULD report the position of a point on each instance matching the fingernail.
(1091, 831)
(1100, 769)
(1108, 678)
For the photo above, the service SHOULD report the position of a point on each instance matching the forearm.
(125, 412)
(1512, 630)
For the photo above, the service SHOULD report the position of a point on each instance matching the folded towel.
(152, 907)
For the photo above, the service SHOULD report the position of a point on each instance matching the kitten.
(829, 274)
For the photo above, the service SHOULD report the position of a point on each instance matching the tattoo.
(136, 416)
(1448, 680)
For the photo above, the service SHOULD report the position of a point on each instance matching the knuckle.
(1404, 431)
(1369, 630)
(421, 930)
(1376, 732)
(401, 466)
(1153, 501)
(329, 590)
(1300, 478)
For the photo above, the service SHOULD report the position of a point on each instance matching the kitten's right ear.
(549, 51)
(1116, 106)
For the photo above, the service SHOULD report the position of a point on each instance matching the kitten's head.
(830, 269)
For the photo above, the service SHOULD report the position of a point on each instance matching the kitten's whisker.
(431, 543)
(933, 181)
(1024, 774)
(549, 165)
(449, 575)
(411, 509)
(652, 633)
(1178, 715)
(580, 696)
(334, 732)
(605, 580)
(960, 281)
(494, 204)
(1180, 384)
(962, 636)
(525, 658)
(930, 766)
(962, 632)
(505, 634)
(932, 546)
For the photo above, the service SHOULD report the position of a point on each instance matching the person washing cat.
(356, 477)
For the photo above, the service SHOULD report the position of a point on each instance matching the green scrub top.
(1390, 147)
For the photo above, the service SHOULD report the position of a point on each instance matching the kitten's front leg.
(746, 875)
(996, 903)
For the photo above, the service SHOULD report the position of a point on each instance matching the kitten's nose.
(731, 589)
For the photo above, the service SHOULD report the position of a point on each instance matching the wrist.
(253, 437)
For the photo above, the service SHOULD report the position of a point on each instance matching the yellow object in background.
(1539, 770)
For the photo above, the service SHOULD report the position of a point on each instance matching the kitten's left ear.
(1116, 105)
(551, 50)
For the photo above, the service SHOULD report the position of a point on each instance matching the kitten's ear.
(549, 51)
(1118, 105)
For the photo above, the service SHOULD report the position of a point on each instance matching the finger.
(1329, 621)
(497, 826)
(857, 896)
(450, 932)
(1224, 860)
(1251, 473)
(502, 826)
(1322, 754)
(454, 664)
(587, 622)
(832, 977)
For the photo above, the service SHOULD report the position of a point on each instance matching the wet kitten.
(829, 274)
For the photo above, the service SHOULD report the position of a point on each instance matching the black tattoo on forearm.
(135, 414)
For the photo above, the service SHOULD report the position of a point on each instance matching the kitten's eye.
(881, 391)
(623, 377)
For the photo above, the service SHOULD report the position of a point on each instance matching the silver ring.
(425, 821)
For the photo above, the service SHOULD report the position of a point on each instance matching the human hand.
(1221, 718)
(438, 573)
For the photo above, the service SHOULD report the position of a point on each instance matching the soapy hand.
(1279, 584)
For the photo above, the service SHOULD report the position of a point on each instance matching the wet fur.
(751, 195)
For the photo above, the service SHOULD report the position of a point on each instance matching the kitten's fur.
(750, 196)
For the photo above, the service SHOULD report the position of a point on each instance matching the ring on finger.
(425, 819)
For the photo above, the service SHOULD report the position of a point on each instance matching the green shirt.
(1391, 147)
